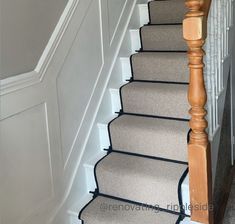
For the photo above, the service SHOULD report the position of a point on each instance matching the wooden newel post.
(200, 173)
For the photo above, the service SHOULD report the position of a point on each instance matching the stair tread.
(160, 66)
(163, 38)
(103, 210)
(160, 99)
(125, 176)
(161, 11)
(150, 136)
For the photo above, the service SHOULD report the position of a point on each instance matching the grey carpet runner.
(139, 181)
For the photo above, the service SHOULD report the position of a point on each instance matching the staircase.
(140, 178)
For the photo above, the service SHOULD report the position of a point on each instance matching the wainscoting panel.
(25, 164)
(79, 76)
(115, 11)
(47, 117)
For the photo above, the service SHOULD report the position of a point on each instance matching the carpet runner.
(139, 181)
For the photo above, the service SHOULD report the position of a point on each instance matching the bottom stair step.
(139, 179)
(104, 210)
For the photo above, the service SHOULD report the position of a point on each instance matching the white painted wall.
(25, 28)
(48, 115)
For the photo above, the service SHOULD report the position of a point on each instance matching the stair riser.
(116, 101)
(126, 68)
(150, 137)
(144, 14)
(155, 67)
(166, 100)
(161, 11)
(163, 38)
(135, 40)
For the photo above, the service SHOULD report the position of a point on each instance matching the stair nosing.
(142, 204)
(120, 113)
(161, 82)
(110, 150)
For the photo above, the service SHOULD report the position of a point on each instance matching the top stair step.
(167, 11)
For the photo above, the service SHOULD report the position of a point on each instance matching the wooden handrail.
(206, 7)
(200, 171)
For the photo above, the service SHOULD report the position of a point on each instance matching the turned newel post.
(200, 174)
